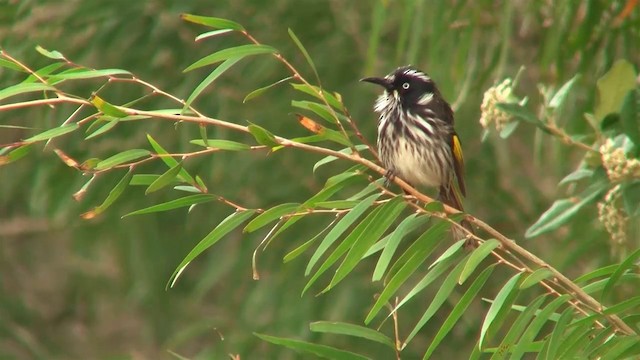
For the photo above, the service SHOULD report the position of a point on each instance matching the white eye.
(405, 86)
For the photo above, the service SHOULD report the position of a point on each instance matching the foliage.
(590, 316)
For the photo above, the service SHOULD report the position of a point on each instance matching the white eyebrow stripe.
(418, 74)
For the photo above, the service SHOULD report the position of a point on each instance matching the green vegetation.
(165, 198)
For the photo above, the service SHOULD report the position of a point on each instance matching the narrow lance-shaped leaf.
(212, 22)
(319, 94)
(226, 226)
(476, 258)
(628, 263)
(323, 351)
(339, 229)
(387, 215)
(342, 248)
(438, 300)
(416, 254)
(15, 154)
(270, 215)
(215, 74)
(304, 52)
(121, 158)
(170, 161)
(459, 309)
(535, 277)
(106, 108)
(214, 33)
(518, 327)
(238, 52)
(24, 89)
(257, 92)
(164, 179)
(351, 330)
(221, 144)
(498, 303)
(262, 135)
(435, 272)
(563, 210)
(114, 194)
(175, 204)
(302, 248)
(407, 225)
(52, 133)
(536, 325)
(555, 339)
(81, 73)
(560, 97)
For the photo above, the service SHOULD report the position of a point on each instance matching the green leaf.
(214, 33)
(435, 271)
(459, 309)
(121, 158)
(499, 303)
(577, 175)
(170, 161)
(521, 112)
(237, 52)
(337, 204)
(319, 94)
(114, 194)
(407, 225)
(215, 74)
(257, 92)
(617, 347)
(304, 52)
(627, 264)
(535, 326)
(15, 154)
(110, 124)
(165, 179)
(319, 109)
(43, 73)
(560, 97)
(82, 73)
(535, 277)
(438, 300)
(476, 258)
(23, 89)
(55, 55)
(310, 348)
(387, 215)
(106, 108)
(330, 158)
(212, 22)
(603, 271)
(263, 136)
(556, 339)
(342, 248)
(175, 204)
(415, 255)
(302, 248)
(613, 87)
(342, 328)
(563, 210)
(226, 226)
(10, 65)
(275, 213)
(339, 229)
(222, 144)
(631, 198)
(518, 327)
(52, 133)
(630, 117)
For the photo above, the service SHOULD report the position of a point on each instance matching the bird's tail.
(451, 197)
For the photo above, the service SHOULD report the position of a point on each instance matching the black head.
(409, 85)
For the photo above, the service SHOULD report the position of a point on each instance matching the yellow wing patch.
(457, 149)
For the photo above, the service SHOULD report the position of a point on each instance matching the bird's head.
(407, 86)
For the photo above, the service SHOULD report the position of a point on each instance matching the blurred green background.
(71, 288)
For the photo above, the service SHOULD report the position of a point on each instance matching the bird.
(417, 140)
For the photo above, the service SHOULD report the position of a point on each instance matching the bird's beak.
(379, 81)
